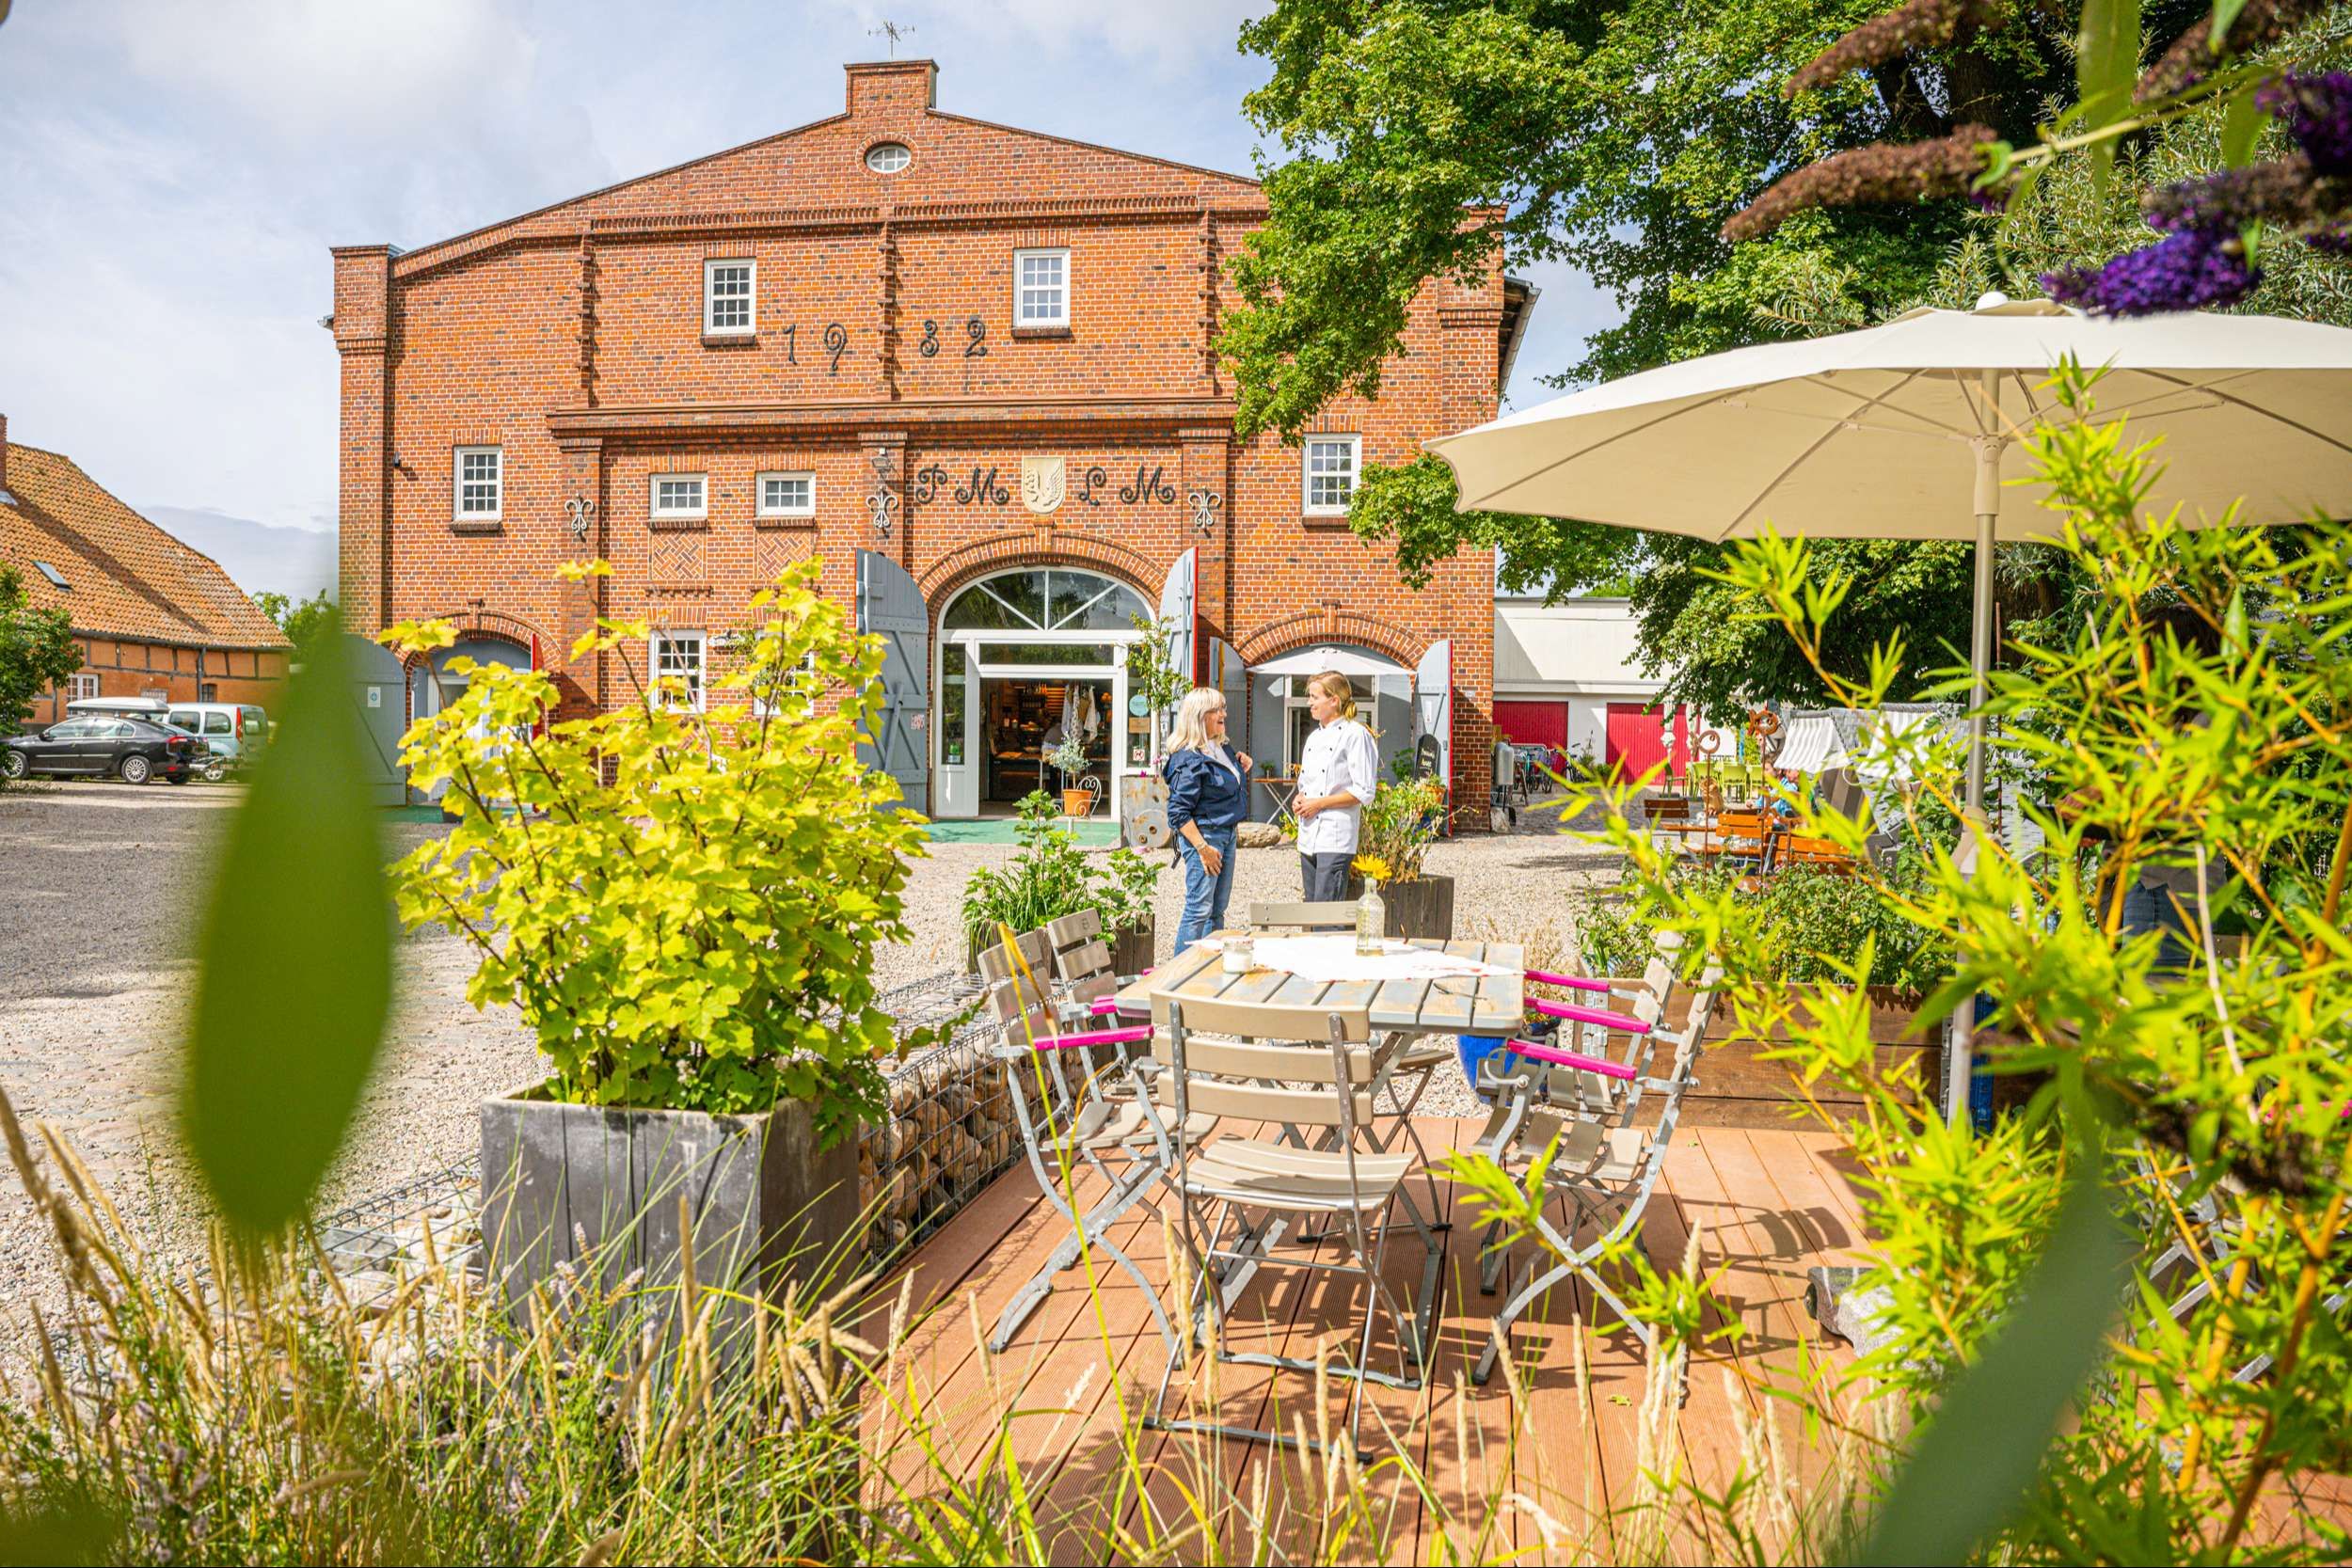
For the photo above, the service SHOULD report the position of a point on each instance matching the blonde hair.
(1336, 687)
(1191, 732)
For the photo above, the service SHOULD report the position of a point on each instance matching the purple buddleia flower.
(2285, 191)
(2181, 272)
(2317, 113)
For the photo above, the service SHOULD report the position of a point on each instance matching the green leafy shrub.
(2114, 1326)
(683, 905)
(1050, 877)
(1807, 926)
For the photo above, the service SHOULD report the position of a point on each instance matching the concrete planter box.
(763, 1204)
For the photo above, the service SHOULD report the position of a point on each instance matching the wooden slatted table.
(1487, 1004)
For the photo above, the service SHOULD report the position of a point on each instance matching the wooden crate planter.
(1738, 1088)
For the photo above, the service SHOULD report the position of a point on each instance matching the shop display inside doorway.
(1025, 721)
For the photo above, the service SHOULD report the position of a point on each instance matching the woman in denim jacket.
(1206, 796)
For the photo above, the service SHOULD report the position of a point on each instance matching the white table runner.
(1331, 959)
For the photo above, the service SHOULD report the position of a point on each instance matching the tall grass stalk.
(256, 1411)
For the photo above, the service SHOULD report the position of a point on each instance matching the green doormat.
(1093, 833)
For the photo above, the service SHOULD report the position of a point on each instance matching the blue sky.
(172, 171)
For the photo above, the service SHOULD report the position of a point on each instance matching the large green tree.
(1429, 136)
(37, 650)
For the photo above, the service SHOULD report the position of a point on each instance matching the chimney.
(906, 86)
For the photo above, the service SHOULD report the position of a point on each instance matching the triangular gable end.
(955, 161)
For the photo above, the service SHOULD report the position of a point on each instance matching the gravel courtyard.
(103, 886)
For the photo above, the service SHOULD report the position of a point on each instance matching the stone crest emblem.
(1043, 483)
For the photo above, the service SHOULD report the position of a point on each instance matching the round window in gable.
(888, 157)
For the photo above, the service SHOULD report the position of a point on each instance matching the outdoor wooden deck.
(1767, 1204)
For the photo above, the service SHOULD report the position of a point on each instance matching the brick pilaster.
(1207, 498)
(587, 535)
(362, 337)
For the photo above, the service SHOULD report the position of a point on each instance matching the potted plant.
(1070, 760)
(1399, 826)
(1126, 892)
(684, 907)
(1050, 877)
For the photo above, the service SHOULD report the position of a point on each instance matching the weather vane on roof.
(894, 31)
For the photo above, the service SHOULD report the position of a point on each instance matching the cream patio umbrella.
(1910, 431)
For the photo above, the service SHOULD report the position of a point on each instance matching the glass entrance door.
(957, 766)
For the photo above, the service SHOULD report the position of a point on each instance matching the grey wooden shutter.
(891, 607)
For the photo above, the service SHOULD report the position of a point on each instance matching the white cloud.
(338, 67)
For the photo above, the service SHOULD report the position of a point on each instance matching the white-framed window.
(1330, 474)
(727, 305)
(1040, 288)
(82, 687)
(788, 495)
(675, 660)
(681, 496)
(888, 157)
(480, 484)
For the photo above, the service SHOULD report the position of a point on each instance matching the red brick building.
(152, 617)
(969, 366)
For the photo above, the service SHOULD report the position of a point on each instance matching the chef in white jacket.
(1336, 778)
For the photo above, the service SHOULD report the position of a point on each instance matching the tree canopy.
(37, 650)
(1434, 136)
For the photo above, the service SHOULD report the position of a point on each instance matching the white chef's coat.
(1340, 759)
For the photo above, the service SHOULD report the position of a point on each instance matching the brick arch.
(968, 563)
(1328, 624)
(473, 620)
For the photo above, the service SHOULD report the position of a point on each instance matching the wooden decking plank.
(1739, 1185)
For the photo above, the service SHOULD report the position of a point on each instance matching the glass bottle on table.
(1372, 918)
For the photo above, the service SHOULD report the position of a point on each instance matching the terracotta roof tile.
(124, 576)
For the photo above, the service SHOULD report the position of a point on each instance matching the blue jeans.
(2148, 905)
(1205, 896)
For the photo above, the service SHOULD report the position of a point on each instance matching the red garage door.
(1529, 723)
(1637, 739)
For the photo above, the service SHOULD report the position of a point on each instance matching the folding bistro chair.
(1072, 1094)
(1603, 1169)
(1409, 1070)
(1239, 1195)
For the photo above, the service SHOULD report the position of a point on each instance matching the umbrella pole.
(1960, 1062)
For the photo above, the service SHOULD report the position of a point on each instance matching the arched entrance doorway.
(1024, 659)
(434, 686)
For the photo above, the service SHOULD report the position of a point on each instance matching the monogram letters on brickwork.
(1044, 482)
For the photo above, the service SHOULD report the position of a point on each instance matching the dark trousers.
(1324, 876)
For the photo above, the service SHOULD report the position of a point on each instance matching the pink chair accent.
(1097, 1036)
(1104, 1006)
(1619, 1021)
(1569, 1058)
(1571, 981)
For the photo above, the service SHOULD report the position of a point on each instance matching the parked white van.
(236, 731)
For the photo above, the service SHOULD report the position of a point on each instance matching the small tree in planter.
(684, 906)
(1069, 759)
